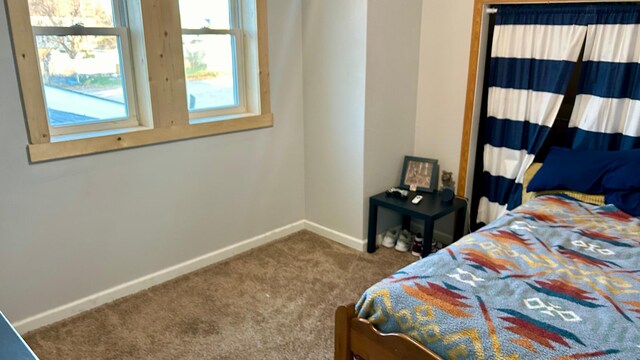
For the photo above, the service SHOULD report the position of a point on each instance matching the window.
(100, 75)
(213, 57)
(220, 56)
(85, 64)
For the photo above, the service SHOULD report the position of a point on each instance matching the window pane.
(211, 81)
(196, 14)
(82, 78)
(89, 13)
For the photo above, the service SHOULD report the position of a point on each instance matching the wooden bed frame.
(358, 336)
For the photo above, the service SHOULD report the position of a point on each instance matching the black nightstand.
(428, 210)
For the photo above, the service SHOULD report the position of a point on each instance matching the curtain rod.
(491, 10)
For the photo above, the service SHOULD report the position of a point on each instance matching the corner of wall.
(393, 41)
(334, 74)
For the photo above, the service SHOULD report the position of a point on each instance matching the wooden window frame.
(475, 80)
(160, 85)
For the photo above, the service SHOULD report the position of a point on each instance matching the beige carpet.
(273, 302)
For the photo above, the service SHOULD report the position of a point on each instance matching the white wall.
(393, 44)
(74, 227)
(71, 228)
(444, 61)
(442, 86)
(360, 90)
(334, 51)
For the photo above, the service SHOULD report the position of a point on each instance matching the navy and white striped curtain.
(606, 114)
(533, 54)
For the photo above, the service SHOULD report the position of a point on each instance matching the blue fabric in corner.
(627, 201)
(588, 171)
(625, 175)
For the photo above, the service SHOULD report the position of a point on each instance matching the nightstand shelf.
(430, 209)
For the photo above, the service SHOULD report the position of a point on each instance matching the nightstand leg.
(373, 227)
(459, 222)
(428, 238)
(406, 222)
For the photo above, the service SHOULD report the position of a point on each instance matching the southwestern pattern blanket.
(553, 279)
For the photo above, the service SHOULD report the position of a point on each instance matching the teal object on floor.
(12, 346)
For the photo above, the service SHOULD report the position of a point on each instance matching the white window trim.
(121, 31)
(238, 64)
(162, 100)
(236, 31)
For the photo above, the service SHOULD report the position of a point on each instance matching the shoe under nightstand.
(430, 209)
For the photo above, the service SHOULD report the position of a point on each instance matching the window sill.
(207, 120)
(95, 134)
(81, 144)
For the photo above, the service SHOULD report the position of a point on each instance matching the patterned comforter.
(553, 279)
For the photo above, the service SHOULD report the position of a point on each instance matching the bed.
(556, 278)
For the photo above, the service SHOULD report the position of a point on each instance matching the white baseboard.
(344, 239)
(158, 277)
(145, 282)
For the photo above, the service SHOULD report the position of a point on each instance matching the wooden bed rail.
(358, 336)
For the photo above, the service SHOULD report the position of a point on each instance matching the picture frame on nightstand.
(419, 174)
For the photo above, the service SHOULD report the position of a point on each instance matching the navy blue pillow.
(625, 175)
(579, 170)
(627, 201)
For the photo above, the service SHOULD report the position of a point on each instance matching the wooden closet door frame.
(475, 79)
